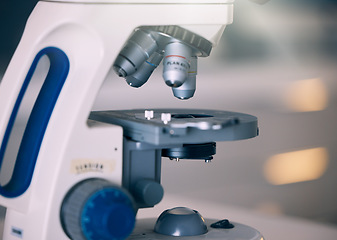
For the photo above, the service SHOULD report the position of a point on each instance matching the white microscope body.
(61, 147)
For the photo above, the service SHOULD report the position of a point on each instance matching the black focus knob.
(96, 209)
(148, 192)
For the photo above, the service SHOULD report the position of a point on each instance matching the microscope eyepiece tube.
(187, 90)
(144, 72)
(139, 47)
(176, 63)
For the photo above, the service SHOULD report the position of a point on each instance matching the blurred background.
(278, 62)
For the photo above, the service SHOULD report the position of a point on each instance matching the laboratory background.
(278, 62)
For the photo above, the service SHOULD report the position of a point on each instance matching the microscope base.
(144, 230)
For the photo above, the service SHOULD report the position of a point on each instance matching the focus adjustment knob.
(95, 209)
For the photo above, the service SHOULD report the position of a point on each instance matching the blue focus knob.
(95, 209)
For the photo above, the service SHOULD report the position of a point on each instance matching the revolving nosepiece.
(179, 48)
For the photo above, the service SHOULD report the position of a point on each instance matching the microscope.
(83, 175)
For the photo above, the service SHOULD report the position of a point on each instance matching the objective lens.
(144, 72)
(176, 64)
(139, 47)
(187, 90)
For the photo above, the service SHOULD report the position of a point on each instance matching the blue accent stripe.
(37, 122)
(150, 63)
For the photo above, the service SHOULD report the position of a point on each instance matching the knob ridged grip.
(96, 209)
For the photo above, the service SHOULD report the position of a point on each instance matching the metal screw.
(175, 159)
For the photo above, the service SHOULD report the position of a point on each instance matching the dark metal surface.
(185, 126)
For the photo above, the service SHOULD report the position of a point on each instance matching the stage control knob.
(96, 209)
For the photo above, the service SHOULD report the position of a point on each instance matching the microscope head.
(178, 46)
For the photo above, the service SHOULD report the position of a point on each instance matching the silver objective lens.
(144, 72)
(187, 90)
(176, 64)
(139, 47)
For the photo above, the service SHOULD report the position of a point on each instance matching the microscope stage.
(180, 126)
